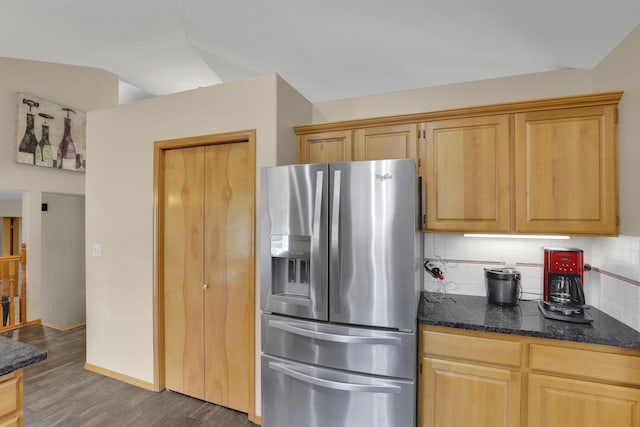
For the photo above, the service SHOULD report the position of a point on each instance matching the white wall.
(12, 207)
(620, 71)
(518, 88)
(63, 261)
(119, 201)
(83, 88)
(293, 109)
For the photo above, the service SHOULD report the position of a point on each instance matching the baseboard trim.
(63, 328)
(21, 325)
(120, 377)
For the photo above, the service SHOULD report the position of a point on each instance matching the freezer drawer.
(374, 351)
(295, 394)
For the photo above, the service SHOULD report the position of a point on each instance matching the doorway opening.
(204, 268)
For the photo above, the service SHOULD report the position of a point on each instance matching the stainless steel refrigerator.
(341, 269)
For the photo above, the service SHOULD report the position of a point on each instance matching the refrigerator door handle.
(335, 229)
(315, 253)
(317, 213)
(348, 339)
(334, 385)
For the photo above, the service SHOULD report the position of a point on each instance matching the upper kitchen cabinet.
(335, 143)
(566, 171)
(386, 142)
(546, 166)
(325, 147)
(467, 174)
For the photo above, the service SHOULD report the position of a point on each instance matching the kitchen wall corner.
(617, 262)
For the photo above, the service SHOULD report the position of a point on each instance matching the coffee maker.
(563, 286)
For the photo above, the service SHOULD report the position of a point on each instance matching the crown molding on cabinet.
(482, 110)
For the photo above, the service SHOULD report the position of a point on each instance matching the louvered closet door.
(228, 249)
(183, 270)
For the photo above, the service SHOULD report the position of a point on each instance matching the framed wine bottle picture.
(51, 135)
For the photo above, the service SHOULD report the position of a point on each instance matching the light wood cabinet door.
(562, 402)
(11, 399)
(453, 394)
(326, 147)
(386, 142)
(467, 170)
(566, 173)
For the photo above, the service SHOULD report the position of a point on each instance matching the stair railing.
(12, 269)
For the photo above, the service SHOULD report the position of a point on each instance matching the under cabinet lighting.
(518, 236)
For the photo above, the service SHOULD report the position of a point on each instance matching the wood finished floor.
(59, 392)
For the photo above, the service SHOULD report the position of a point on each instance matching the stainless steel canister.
(503, 285)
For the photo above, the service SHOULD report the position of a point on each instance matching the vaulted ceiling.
(327, 49)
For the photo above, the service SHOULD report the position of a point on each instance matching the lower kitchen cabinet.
(563, 402)
(460, 395)
(476, 379)
(11, 406)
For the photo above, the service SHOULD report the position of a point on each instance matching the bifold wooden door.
(207, 259)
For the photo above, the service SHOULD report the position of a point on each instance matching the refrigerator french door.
(341, 266)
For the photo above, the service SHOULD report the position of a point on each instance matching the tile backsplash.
(612, 286)
(619, 260)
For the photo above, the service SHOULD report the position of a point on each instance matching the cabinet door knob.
(205, 286)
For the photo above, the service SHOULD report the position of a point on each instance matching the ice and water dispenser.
(291, 266)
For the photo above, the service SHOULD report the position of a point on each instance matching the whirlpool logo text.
(384, 177)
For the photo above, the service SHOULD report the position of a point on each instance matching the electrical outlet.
(96, 249)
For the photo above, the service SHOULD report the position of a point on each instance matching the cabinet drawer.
(8, 394)
(477, 349)
(589, 364)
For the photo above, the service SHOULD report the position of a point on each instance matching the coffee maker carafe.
(563, 285)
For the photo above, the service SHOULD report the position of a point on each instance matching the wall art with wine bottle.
(50, 134)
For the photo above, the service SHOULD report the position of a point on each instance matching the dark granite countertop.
(474, 312)
(15, 355)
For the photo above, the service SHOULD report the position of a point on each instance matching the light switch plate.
(96, 249)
